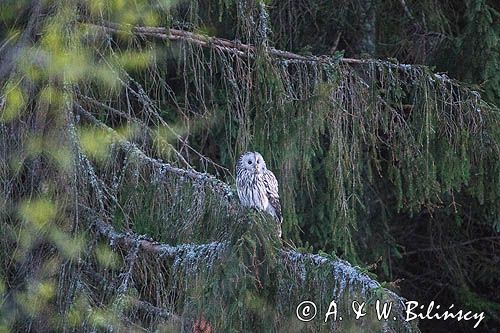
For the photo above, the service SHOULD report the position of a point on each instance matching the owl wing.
(273, 196)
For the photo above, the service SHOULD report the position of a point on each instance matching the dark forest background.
(380, 120)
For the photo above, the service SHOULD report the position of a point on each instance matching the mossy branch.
(205, 178)
(247, 50)
(344, 280)
(130, 241)
(221, 44)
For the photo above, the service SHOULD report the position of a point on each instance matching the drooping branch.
(133, 120)
(344, 280)
(247, 50)
(221, 44)
(130, 241)
(216, 185)
(156, 311)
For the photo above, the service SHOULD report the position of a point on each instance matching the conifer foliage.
(120, 124)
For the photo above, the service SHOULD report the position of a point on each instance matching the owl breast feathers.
(257, 186)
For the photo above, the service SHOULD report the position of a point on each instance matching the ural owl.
(257, 186)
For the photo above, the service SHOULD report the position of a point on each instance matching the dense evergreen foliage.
(108, 108)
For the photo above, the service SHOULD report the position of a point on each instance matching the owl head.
(252, 161)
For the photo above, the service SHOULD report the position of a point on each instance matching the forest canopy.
(121, 122)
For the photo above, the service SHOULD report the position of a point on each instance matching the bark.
(368, 31)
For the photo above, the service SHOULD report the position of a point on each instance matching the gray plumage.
(257, 186)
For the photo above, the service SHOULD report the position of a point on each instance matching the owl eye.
(249, 162)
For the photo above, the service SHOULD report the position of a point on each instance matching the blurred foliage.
(375, 160)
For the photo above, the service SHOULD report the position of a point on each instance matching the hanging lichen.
(106, 121)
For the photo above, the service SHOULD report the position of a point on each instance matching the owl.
(257, 186)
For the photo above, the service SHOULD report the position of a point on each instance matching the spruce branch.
(216, 185)
(130, 241)
(221, 44)
(133, 244)
(250, 51)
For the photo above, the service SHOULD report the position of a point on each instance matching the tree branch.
(221, 44)
(156, 311)
(134, 120)
(247, 50)
(433, 249)
(130, 241)
(216, 185)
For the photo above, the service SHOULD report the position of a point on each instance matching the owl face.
(252, 162)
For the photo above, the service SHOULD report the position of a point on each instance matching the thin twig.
(434, 249)
(156, 311)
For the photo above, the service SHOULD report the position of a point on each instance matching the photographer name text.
(307, 311)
